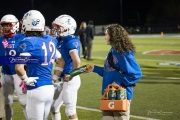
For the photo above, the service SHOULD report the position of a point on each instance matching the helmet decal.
(35, 22)
(68, 21)
(75, 44)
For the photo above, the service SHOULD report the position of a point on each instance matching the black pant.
(88, 49)
(83, 46)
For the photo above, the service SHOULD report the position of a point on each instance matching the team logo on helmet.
(35, 22)
(26, 15)
(69, 21)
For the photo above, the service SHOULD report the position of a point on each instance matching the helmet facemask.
(10, 28)
(10, 24)
(59, 30)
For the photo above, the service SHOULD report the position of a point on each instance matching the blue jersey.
(65, 45)
(11, 50)
(126, 63)
(43, 48)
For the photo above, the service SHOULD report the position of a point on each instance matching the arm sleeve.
(132, 71)
(129, 80)
(98, 70)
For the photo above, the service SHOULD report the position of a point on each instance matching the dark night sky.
(100, 11)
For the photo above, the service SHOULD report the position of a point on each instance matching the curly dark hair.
(119, 39)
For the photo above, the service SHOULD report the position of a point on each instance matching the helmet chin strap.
(10, 35)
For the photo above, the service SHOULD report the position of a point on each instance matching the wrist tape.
(59, 69)
(55, 77)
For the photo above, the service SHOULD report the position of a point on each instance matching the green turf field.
(156, 94)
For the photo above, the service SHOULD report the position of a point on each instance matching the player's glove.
(23, 85)
(55, 78)
(29, 81)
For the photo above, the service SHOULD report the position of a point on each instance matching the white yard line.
(139, 59)
(132, 116)
(97, 110)
(149, 36)
(171, 78)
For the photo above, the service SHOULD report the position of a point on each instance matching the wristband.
(55, 77)
(59, 69)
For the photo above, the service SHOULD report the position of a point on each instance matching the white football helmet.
(10, 24)
(33, 20)
(64, 25)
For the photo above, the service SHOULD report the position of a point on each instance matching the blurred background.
(137, 16)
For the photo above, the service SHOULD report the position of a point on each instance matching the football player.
(36, 46)
(69, 47)
(9, 79)
(2, 111)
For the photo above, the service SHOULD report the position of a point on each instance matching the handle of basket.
(105, 92)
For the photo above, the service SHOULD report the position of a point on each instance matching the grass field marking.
(163, 52)
(132, 116)
(172, 78)
(150, 36)
(146, 52)
(89, 109)
(157, 60)
(136, 59)
(169, 63)
(96, 110)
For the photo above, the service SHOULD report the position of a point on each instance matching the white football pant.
(39, 102)
(9, 84)
(66, 93)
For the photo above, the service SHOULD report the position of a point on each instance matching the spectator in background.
(82, 35)
(102, 30)
(89, 39)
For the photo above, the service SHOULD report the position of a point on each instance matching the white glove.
(30, 81)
